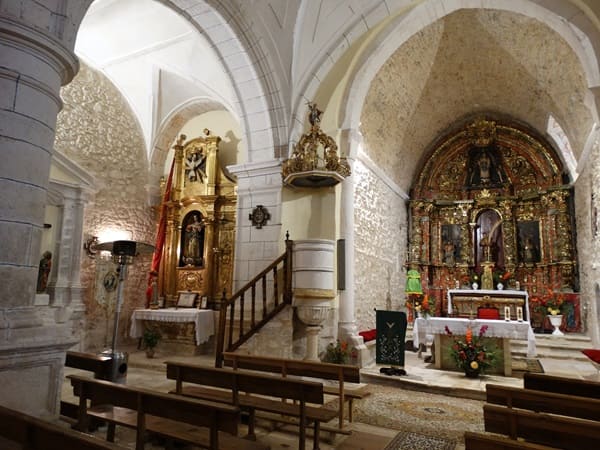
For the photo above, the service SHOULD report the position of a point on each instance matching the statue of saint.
(44, 272)
(193, 243)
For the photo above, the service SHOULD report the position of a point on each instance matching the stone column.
(36, 58)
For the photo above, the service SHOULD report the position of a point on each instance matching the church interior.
(356, 182)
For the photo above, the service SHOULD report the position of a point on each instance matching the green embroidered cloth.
(391, 331)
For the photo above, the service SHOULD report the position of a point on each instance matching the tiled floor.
(420, 377)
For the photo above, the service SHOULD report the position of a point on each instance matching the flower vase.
(474, 286)
(471, 373)
(556, 322)
(499, 286)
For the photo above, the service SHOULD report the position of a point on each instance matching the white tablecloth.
(203, 319)
(458, 326)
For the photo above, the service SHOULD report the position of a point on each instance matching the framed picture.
(529, 241)
(450, 244)
(203, 302)
(186, 299)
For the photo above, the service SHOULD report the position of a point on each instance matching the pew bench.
(541, 401)
(100, 366)
(563, 432)
(175, 418)
(341, 374)
(253, 392)
(482, 441)
(562, 385)
(32, 433)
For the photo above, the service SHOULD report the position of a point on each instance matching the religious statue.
(193, 242)
(413, 281)
(44, 272)
(486, 246)
(314, 116)
(195, 166)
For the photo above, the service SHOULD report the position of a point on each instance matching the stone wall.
(380, 246)
(98, 130)
(587, 205)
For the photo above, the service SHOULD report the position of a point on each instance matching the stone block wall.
(98, 131)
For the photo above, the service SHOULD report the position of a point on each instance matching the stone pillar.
(36, 58)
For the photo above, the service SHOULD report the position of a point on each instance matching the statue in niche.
(193, 241)
(489, 241)
(44, 272)
(484, 169)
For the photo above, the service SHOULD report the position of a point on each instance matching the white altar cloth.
(422, 328)
(203, 319)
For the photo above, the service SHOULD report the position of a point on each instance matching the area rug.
(414, 413)
(415, 441)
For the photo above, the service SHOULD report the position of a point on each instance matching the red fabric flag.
(161, 234)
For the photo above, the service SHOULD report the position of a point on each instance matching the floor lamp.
(123, 253)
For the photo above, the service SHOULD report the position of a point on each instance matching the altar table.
(505, 331)
(474, 298)
(203, 320)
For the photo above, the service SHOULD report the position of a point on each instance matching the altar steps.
(548, 346)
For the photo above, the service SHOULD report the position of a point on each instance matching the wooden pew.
(540, 428)
(482, 441)
(540, 401)
(562, 385)
(32, 433)
(342, 373)
(100, 366)
(244, 389)
(205, 424)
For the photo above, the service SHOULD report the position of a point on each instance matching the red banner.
(161, 234)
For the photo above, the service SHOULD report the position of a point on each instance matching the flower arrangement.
(552, 304)
(471, 354)
(425, 307)
(338, 352)
(501, 276)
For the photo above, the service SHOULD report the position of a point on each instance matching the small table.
(177, 322)
(503, 330)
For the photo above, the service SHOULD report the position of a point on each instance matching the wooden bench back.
(36, 434)
(195, 412)
(555, 431)
(314, 369)
(100, 365)
(562, 385)
(481, 441)
(240, 380)
(540, 401)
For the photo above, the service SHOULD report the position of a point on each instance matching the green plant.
(472, 354)
(151, 338)
(337, 352)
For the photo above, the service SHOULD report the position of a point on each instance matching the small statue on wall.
(195, 166)
(44, 272)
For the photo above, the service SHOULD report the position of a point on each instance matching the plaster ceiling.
(471, 61)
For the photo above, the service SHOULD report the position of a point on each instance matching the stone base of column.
(32, 358)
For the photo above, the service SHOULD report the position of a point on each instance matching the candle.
(519, 314)
(507, 313)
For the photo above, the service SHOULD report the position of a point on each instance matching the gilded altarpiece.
(494, 194)
(201, 214)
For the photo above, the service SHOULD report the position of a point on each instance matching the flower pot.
(556, 322)
(471, 373)
(150, 352)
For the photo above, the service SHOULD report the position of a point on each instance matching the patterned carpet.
(415, 441)
(435, 421)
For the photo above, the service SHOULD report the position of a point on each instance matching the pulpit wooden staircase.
(255, 304)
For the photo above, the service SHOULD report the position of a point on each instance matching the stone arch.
(245, 63)
(568, 23)
(167, 134)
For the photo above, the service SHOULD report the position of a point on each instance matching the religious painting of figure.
(484, 169)
(529, 241)
(450, 244)
(192, 240)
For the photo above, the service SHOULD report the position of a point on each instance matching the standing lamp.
(123, 253)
